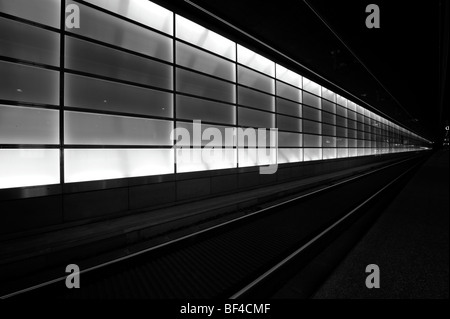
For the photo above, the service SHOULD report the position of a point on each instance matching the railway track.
(248, 257)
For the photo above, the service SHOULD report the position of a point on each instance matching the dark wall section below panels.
(95, 204)
(151, 195)
(31, 213)
(85, 204)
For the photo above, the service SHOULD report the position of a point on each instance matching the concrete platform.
(409, 243)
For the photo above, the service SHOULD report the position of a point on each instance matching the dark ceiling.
(401, 73)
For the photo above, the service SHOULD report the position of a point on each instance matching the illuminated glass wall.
(101, 101)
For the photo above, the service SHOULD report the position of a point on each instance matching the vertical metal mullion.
(174, 83)
(61, 90)
(276, 115)
(236, 102)
(302, 130)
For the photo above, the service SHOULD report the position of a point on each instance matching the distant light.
(19, 90)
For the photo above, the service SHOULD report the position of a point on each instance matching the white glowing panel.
(288, 76)
(20, 168)
(342, 101)
(352, 152)
(205, 159)
(311, 86)
(329, 153)
(98, 164)
(290, 155)
(204, 38)
(255, 61)
(312, 154)
(255, 157)
(107, 28)
(351, 106)
(142, 11)
(329, 95)
(359, 109)
(342, 152)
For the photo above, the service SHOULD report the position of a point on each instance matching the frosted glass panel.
(342, 101)
(329, 141)
(359, 109)
(43, 11)
(255, 80)
(341, 142)
(204, 86)
(107, 28)
(328, 130)
(255, 61)
(191, 160)
(286, 139)
(99, 164)
(352, 142)
(328, 118)
(351, 105)
(93, 129)
(288, 107)
(198, 109)
(102, 95)
(289, 123)
(312, 127)
(288, 76)
(249, 137)
(351, 124)
(352, 152)
(204, 38)
(92, 58)
(312, 140)
(341, 111)
(311, 86)
(351, 115)
(312, 154)
(290, 155)
(199, 60)
(25, 42)
(328, 94)
(341, 121)
(328, 106)
(255, 157)
(340, 131)
(311, 113)
(22, 125)
(207, 135)
(329, 153)
(28, 84)
(142, 11)
(256, 99)
(342, 152)
(289, 92)
(254, 118)
(20, 168)
(311, 100)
